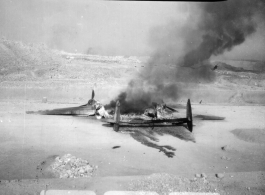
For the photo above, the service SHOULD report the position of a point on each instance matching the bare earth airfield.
(224, 156)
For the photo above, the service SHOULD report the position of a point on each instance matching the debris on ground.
(224, 148)
(140, 117)
(220, 175)
(114, 147)
(151, 112)
(159, 111)
(225, 158)
(68, 166)
(198, 175)
(100, 111)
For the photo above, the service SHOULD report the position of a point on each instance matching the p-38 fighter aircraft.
(95, 108)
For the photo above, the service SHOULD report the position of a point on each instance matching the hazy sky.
(105, 27)
(99, 26)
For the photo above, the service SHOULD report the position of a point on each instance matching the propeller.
(172, 109)
(93, 94)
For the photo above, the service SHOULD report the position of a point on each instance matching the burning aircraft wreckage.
(160, 115)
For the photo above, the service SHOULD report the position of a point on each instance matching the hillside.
(38, 67)
(251, 76)
(20, 62)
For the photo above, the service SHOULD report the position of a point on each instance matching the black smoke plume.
(182, 52)
(224, 25)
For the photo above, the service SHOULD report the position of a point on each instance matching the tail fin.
(189, 116)
(117, 117)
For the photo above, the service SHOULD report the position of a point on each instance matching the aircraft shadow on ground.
(149, 136)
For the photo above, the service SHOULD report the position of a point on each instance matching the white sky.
(105, 27)
(109, 27)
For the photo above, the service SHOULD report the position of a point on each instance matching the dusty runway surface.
(28, 140)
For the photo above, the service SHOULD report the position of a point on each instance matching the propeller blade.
(172, 109)
(93, 94)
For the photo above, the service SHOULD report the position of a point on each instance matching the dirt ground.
(159, 159)
(28, 140)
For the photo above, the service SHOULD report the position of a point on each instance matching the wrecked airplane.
(157, 115)
(117, 122)
(158, 111)
(91, 108)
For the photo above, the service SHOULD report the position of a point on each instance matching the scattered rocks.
(198, 175)
(193, 179)
(219, 175)
(69, 166)
(225, 158)
(224, 148)
(4, 181)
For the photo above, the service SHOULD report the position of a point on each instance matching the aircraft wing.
(80, 110)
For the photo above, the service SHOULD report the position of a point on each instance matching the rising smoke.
(187, 48)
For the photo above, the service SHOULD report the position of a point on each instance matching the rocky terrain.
(37, 67)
